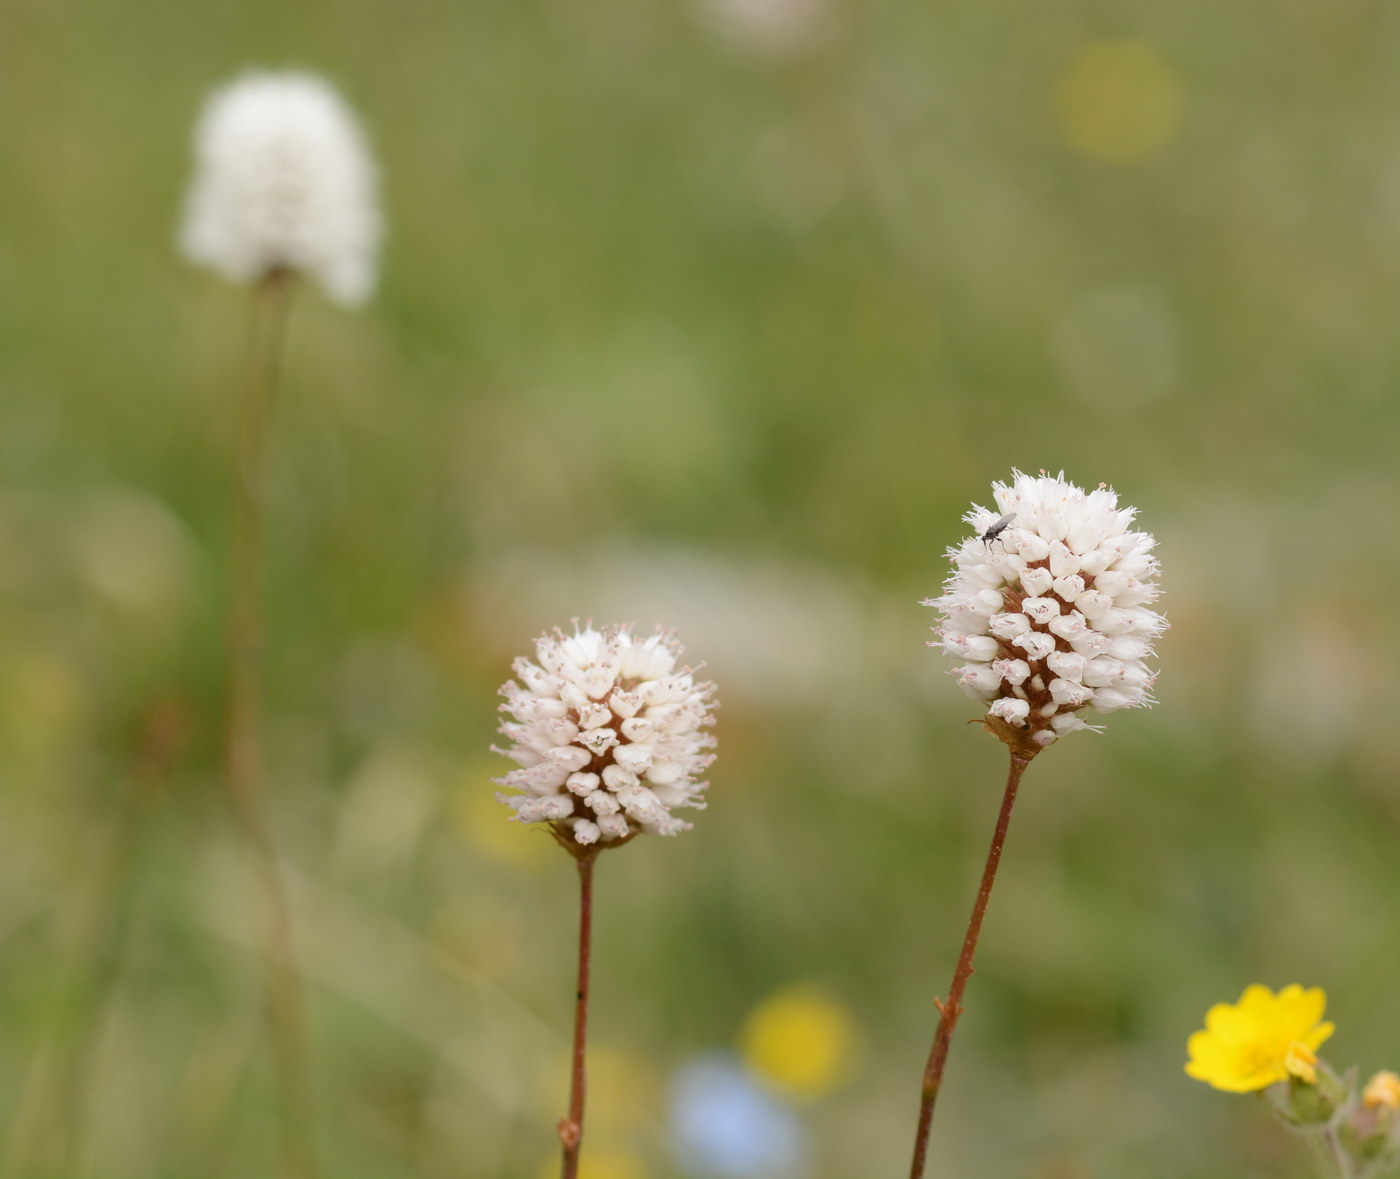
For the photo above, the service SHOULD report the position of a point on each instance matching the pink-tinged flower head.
(1047, 609)
(609, 733)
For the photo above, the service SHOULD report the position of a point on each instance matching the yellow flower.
(800, 1041)
(1382, 1092)
(1252, 1044)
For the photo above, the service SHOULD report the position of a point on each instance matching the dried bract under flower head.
(1047, 609)
(283, 181)
(609, 735)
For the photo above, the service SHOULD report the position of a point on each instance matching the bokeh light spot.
(42, 703)
(597, 1164)
(726, 1125)
(800, 1041)
(1119, 102)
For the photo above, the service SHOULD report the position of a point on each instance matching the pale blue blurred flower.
(727, 1127)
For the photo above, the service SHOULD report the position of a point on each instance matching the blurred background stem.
(47, 1134)
(950, 1010)
(243, 733)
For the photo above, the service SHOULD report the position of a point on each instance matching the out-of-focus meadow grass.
(715, 314)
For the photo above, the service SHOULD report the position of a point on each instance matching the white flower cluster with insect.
(610, 735)
(1048, 606)
(283, 181)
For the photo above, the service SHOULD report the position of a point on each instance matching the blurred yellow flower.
(1262, 1039)
(477, 937)
(1382, 1092)
(1119, 102)
(478, 818)
(626, 1085)
(800, 1041)
(43, 703)
(624, 1089)
(597, 1164)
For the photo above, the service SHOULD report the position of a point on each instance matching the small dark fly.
(998, 528)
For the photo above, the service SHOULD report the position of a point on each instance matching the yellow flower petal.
(1311, 1006)
(1225, 1020)
(1257, 1000)
(1320, 1034)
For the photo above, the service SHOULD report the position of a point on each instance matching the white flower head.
(771, 27)
(609, 733)
(1047, 608)
(283, 181)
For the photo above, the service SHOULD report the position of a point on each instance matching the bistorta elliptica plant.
(610, 738)
(1048, 613)
(283, 187)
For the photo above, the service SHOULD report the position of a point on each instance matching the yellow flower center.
(1301, 1061)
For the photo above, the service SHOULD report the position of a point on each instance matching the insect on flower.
(1055, 616)
(998, 528)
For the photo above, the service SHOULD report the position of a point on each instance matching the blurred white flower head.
(770, 27)
(1049, 614)
(609, 735)
(283, 181)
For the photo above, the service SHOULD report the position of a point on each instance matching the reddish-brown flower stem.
(950, 1010)
(571, 1126)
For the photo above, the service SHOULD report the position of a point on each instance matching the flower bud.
(1382, 1092)
(1314, 1092)
(1370, 1130)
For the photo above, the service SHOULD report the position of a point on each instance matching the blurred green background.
(716, 314)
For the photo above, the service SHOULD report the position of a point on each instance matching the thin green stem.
(1322, 1158)
(1339, 1153)
(243, 753)
(950, 1010)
